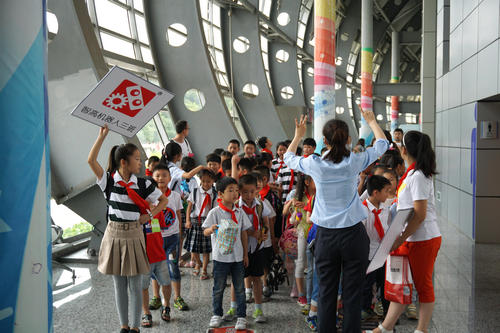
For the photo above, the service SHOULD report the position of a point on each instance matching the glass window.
(112, 17)
(146, 55)
(168, 124)
(52, 24)
(139, 5)
(150, 139)
(142, 31)
(117, 45)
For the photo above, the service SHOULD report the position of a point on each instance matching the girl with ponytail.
(421, 236)
(341, 240)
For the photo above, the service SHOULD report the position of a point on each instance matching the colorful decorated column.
(394, 79)
(25, 238)
(324, 66)
(366, 66)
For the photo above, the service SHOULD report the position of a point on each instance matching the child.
(152, 162)
(249, 149)
(187, 185)
(128, 200)
(226, 155)
(304, 192)
(376, 225)
(393, 160)
(393, 178)
(172, 234)
(308, 146)
(213, 164)
(241, 166)
(278, 163)
(259, 215)
(226, 167)
(286, 179)
(265, 145)
(233, 146)
(218, 151)
(227, 225)
(200, 202)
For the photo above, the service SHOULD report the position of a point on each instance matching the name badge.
(155, 225)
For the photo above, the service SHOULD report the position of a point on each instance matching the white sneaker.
(259, 317)
(241, 324)
(215, 321)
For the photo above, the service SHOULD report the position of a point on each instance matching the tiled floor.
(467, 283)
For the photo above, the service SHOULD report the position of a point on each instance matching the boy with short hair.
(227, 225)
(172, 234)
(249, 149)
(226, 166)
(376, 225)
(308, 147)
(214, 165)
(233, 146)
(152, 162)
(226, 155)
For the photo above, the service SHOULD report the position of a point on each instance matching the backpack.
(277, 274)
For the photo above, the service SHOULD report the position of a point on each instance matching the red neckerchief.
(149, 173)
(167, 192)
(378, 223)
(265, 190)
(265, 150)
(310, 203)
(411, 167)
(224, 208)
(278, 172)
(249, 211)
(136, 198)
(307, 155)
(222, 172)
(292, 179)
(206, 201)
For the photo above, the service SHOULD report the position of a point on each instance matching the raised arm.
(300, 131)
(192, 173)
(94, 152)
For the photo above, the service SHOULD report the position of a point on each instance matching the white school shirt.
(175, 177)
(252, 241)
(217, 216)
(200, 196)
(268, 242)
(369, 224)
(170, 214)
(417, 186)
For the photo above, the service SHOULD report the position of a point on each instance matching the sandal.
(147, 320)
(204, 276)
(165, 313)
(196, 271)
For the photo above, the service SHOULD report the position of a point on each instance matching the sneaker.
(215, 321)
(312, 322)
(155, 303)
(241, 324)
(379, 309)
(368, 315)
(266, 292)
(229, 316)
(180, 304)
(259, 317)
(411, 312)
(302, 301)
(305, 309)
(248, 297)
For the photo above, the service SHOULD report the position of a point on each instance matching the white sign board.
(123, 101)
(395, 229)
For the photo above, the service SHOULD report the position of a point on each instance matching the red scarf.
(149, 173)
(378, 223)
(206, 201)
(310, 203)
(249, 211)
(265, 150)
(224, 208)
(411, 167)
(222, 172)
(167, 193)
(136, 198)
(265, 190)
(292, 179)
(307, 155)
(278, 172)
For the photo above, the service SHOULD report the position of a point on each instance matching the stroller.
(277, 274)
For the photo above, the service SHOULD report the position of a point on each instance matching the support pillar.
(395, 79)
(324, 66)
(25, 238)
(366, 66)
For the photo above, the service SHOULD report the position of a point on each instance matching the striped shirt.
(120, 207)
(275, 166)
(284, 179)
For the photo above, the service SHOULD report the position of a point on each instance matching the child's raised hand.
(235, 159)
(103, 131)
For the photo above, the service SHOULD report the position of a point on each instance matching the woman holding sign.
(422, 235)
(341, 240)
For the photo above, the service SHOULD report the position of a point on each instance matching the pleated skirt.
(123, 250)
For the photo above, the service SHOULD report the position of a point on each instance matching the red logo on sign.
(129, 98)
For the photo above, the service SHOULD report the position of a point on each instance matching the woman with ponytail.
(421, 235)
(342, 243)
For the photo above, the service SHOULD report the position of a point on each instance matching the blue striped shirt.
(337, 201)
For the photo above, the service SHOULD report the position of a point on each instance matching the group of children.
(234, 210)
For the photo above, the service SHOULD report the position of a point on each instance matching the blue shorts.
(171, 246)
(159, 271)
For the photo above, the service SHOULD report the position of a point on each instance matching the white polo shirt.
(369, 224)
(418, 187)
